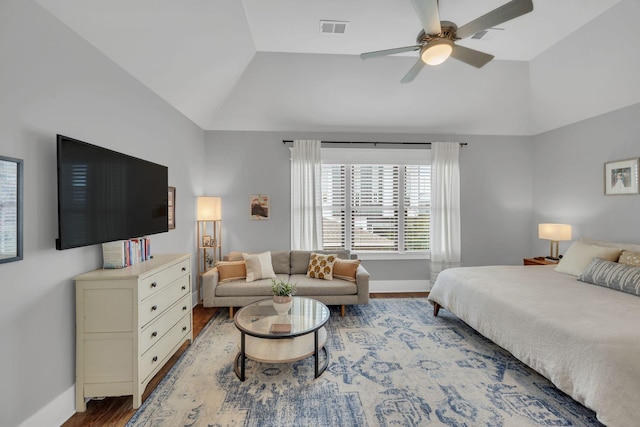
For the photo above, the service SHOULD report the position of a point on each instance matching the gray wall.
(51, 82)
(569, 178)
(495, 190)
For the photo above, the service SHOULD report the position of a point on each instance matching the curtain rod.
(289, 141)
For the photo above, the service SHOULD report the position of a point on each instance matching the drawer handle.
(155, 359)
(184, 287)
(154, 334)
(154, 285)
(184, 328)
(154, 308)
(184, 307)
(184, 268)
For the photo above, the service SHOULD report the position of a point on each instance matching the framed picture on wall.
(172, 208)
(259, 206)
(11, 204)
(621, 177)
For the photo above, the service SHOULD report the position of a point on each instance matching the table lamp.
(554, 233)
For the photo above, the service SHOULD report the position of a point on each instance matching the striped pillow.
(621, 277)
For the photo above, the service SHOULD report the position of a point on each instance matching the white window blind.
(376, 208)
(417, 202)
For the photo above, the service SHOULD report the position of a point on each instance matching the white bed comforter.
(582, 337)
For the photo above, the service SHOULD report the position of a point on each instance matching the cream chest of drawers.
(129, 322)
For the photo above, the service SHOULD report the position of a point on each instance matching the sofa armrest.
(209, 283)
(362, 282)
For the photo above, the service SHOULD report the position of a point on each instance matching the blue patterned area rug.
(392, 364)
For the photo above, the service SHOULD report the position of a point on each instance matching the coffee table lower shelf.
(282, 350)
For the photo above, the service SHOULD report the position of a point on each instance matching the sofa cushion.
(345, 269)
(321, 266)
(259, 266)
(280, 262)
(231, 270)
(307, 286)
(300, 259)
(241, 288)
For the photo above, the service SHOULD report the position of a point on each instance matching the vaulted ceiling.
(265, 65)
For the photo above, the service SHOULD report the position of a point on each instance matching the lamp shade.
(554, 232)
(209, 209)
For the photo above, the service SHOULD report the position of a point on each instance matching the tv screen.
(105, 196)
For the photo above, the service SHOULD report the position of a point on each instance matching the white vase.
(282, 304)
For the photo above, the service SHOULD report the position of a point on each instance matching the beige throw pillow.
(579, 255)
(321, 266)
(345, 269)
(259, 266)
(630, 258)
(231, 270)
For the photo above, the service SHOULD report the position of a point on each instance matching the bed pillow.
(231, 270)
(321, 266)
(345, 269)
(579, 255)
(259, 266)
(621, 277)
(630, 258)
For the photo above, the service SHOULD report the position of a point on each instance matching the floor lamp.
(209, 243)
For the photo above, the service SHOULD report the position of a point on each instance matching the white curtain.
(306, 195)
(445, 207)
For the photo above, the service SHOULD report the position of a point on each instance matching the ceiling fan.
(436, 41)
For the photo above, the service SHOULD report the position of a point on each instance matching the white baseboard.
(56, 412)
(382, 286)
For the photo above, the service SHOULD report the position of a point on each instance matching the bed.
(582, 337)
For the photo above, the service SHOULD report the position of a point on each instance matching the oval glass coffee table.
(266, 336)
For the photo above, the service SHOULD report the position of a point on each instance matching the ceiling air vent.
(333, 27)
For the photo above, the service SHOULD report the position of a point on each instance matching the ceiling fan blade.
(413, 72)
(504, 13)
(385, 52)
(429, 15)
(471, 56)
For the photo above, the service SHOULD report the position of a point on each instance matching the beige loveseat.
(290, 266)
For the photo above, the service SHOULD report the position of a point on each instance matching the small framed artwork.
(172, 208)
(11, 209)
(621, 177)
(259, 206)
(206, 240)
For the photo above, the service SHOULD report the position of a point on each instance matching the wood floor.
(116, 411)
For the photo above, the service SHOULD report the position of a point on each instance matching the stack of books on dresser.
(123, 253)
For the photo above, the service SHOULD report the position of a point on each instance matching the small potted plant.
(282, 292)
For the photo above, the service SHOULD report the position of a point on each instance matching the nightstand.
(538, 261)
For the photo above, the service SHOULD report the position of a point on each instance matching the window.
(376, 207)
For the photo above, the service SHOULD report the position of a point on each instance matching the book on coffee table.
(281, 328)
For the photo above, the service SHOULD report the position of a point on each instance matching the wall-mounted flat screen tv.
(105, 196)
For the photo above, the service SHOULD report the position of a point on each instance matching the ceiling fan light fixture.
(436, 51)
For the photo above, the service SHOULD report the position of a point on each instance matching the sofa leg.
(230, 312)
(342, 310)
(436, 309)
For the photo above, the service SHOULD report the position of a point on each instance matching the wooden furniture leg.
(230, 312)
(342, 310)
(436, 309)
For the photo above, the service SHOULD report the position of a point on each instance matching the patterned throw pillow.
(621, 277)
(259, 266)
(321, 266)
(630, 258)
(231, 270)
(345, 269)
